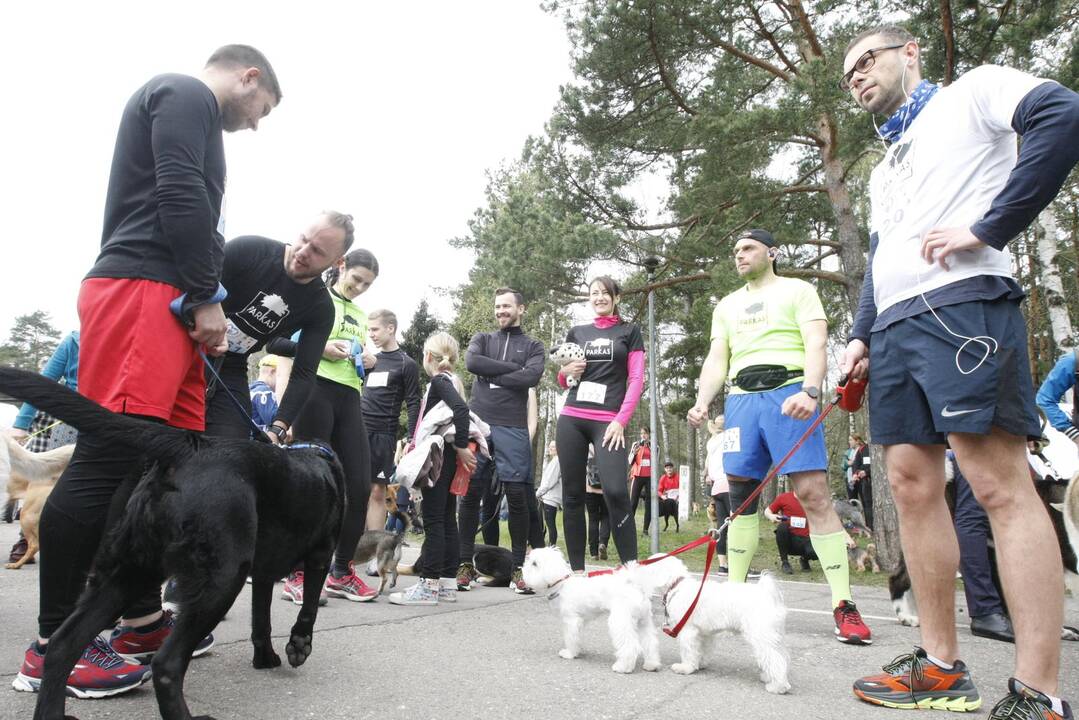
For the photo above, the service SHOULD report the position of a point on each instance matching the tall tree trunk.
(851, 252)
(885, 517)
(1048, 236)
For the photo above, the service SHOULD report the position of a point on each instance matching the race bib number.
(377, 379)
(591, 392)
(239, 341)
(798, 522)
(867, 460)
(732, 440)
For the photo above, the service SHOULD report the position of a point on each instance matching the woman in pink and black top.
(596, 413)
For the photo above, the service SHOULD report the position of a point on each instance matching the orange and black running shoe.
(1025, 703)
(913, 682)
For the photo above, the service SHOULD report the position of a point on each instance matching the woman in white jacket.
(550, 493)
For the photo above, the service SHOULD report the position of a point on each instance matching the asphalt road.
(493, 654)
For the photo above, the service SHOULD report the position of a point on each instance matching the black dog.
(668, 510)
(209, 511)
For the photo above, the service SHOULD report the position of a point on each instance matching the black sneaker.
(805, 564)
(602, 552)
(786, 567)
(170, 598)
(1025, 703)
(722, 570)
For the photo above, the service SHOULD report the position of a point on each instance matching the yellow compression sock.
(743, 534)
(832, 552)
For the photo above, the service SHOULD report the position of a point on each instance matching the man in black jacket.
(506, 363)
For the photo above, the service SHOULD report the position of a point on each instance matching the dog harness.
(322, 449)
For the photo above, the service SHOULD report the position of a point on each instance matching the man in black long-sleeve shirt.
(940, 329)
(275, 290)
(392, 378)
(161, 240)
(506, 363)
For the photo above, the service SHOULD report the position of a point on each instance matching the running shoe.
(913, 682)
(170, 598)
(517, 582)
(602, 552)
(99, 673)
(18, 550)
(466, 575)
(425, 592)
(350, 587)
(849, 627)
(293, 590)
(139, 645)
(447, 592)
(1025, 703)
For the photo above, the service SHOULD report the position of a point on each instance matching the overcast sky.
(391, 112)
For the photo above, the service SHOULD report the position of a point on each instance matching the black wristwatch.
(278, 431)
(811, 391)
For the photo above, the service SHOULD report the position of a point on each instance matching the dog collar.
(322, 449)
(551, 592)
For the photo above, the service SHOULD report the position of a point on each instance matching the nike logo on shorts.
(953, 413)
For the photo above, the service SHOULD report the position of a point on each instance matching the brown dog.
(31, 478)
(864, 559)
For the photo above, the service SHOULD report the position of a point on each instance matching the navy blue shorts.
(512, 452)
(383, 448)
(757, 435)
(917, 393)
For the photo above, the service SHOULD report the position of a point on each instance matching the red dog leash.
(849, 396)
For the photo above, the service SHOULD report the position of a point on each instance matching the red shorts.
(135, 356)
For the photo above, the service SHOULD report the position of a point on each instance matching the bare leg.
(376, 507)
(1028, 555)
(813, 492)
(916, 476)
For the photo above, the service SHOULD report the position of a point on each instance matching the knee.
(815, 498)
(993, 493)
(912, 491)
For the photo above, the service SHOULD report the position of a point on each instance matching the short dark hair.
(517, 297)
(889, 32)
(245, 56)
(344, 222)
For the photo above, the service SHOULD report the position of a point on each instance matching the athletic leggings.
(333, 413)
(722, 503)
(88, 498)
(441, 544)
(573, 436)
(642, 489)
(599, 527)
(550, 519)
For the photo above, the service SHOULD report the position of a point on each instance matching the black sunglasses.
(863, 64)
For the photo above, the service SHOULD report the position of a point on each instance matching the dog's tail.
(769, 588)
(157, 441)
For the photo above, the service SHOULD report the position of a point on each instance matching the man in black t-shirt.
(274, 290)
(392, 378)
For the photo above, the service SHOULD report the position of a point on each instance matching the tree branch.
(818, 258)
(807, 27)
(828, 275)
(993, 33)
(669, 282)
(741, 54)
(663, 75)
(803, 189)
(771, 38)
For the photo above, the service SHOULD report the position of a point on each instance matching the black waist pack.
(756, 378)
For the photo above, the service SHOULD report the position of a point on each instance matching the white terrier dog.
(755, 611)
(577, 598)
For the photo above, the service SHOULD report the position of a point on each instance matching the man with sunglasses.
(939, 327)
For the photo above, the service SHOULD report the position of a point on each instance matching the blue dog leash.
(182, 311)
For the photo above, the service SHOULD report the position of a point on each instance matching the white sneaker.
(425, 592)
(372, 568)
(447, 590)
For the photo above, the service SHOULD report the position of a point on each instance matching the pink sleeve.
(634, 386)
(562, 380)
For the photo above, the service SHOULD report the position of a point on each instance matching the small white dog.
(756, 611)
(577, 598)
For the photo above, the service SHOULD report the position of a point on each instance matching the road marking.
(829, 613)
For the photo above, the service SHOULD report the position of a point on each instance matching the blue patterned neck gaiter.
(901, 119)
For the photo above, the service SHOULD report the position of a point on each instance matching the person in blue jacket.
(63, 365)
(1060, 380)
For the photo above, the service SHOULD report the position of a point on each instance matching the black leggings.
(790, 544)
(722, 503)
(441, 545)
(333, 414)
(599, 527)
(573, 436)
(88, 498)
(550, 519)
(642, 489)
(223, 418)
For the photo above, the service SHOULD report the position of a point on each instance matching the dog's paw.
(624, 668)
(265, 658)
(908, 620)
(1069, 633)
(651, 666)
(778, 687)
(298, 649)
(566, 654)
(683, 669)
